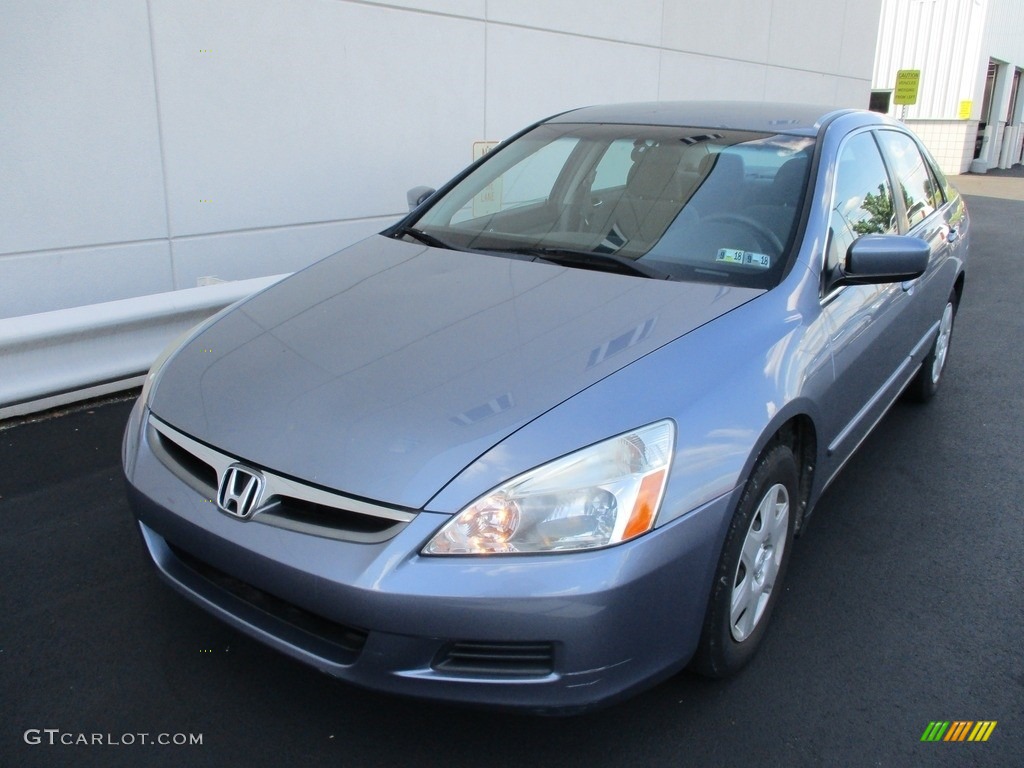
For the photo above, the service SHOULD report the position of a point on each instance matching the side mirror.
(417, 195)
(876, 259)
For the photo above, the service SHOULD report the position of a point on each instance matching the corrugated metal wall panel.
(943, 39)
(1005, 40)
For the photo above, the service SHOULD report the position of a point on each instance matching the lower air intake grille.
(496, 659)
(348, 641)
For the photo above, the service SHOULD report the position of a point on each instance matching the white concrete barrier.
(54, 358)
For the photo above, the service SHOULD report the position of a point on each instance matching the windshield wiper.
(424, 237)
(608, 262)
(566, 257)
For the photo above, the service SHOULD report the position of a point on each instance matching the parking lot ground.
(904, 605)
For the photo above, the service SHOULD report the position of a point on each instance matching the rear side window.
(863, 202)
(921, 194)
(946, 192)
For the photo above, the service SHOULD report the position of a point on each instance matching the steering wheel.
(759, 229)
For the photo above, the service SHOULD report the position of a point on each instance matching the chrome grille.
(286, 503)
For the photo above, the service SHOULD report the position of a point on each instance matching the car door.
(868, 332)
(927, 216)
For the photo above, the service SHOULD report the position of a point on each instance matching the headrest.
(789, 181)
(725, 165)
(654, 171)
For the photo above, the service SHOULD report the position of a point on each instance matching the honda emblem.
(241, 491)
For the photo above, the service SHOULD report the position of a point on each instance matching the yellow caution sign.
(488, 199)
(907, 83)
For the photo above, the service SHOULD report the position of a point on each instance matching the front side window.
(917, 185)
(684, 203)
(862, 203)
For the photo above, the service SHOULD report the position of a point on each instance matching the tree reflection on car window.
(863, 201)
(880, 210)
(911, 171)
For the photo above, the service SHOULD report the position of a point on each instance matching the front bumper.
(548, 632)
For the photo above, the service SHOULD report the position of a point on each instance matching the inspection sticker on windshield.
(743, 258)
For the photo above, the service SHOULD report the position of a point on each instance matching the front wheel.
(751, 568)
(926, 383)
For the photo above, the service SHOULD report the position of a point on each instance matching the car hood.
(384, 370)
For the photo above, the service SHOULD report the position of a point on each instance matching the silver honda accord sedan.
(548, 439)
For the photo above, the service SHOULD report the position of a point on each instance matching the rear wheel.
(751, 567)
(926, 383)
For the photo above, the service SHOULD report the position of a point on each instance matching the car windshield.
(683, 203)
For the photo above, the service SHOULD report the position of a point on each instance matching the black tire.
(729, 641)
(926, 383)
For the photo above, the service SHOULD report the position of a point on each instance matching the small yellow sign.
(481, 148)
(965, 110)
(907, 82)
(488, 199)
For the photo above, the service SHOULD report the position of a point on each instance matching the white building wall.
(1005, 43)
(82, 195)
(1004, 34)
(943, 39)
(151, 146)
(951, 42)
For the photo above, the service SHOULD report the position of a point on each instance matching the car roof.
(764, 117)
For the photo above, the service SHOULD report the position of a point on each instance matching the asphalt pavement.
(904, 605)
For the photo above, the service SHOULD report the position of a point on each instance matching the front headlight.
(601, 495)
